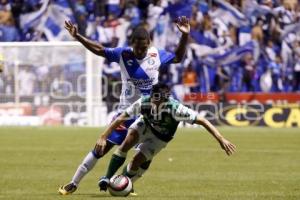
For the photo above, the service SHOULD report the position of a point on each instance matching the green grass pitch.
(34, 162)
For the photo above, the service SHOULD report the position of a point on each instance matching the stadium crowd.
(235, 46)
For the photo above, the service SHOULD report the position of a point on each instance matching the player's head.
(160, 93)
(140, 40)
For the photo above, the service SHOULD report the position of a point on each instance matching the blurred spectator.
(81, 13)
(276, 67)
(8, 30)
(132, 13)
(270, 50)
(296, 84)
(107, 31)
(257, 32)
(249, 71)
(154, 11)
(26, 79)
(43, 79)
(222, 81)
(114, 7)
(190, 79)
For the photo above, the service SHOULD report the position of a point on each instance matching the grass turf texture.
(34, 162)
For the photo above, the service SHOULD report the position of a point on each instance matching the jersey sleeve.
(113, 54)
(166, 57)
(134, 109)
(185, 114)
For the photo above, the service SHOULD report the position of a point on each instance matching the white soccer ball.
(120, 185)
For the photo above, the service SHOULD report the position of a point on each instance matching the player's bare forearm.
(181, 49)
(101, 142)
(94, 47)
(117, 122)
(183, 26)
(228, 147)
(210, 128)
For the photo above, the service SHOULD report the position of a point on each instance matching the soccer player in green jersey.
(159, 116)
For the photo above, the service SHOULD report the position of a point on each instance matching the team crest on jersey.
(151, 61)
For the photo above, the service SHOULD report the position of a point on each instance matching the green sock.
(115, 163)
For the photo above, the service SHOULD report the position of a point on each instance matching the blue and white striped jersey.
(137, 76)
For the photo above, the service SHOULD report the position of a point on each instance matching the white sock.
(87, 164)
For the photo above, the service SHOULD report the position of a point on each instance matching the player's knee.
(96, 154)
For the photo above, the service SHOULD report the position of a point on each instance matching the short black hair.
(160, 91)
(140, 33)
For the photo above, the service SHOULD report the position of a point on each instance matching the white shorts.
(149, 145)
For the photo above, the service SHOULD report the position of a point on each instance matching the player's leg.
(120, 154)
(132, 168)
(147, 149)
(119, 157)
(87, 165)
(141, 171)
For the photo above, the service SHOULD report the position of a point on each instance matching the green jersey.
(162, 121)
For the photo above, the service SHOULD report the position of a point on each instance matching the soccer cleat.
(103, 183)
(132, 193)
(67, 189)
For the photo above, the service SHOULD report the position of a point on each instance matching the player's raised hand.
(71, 28)
(228, 147)
(183, 24)
(100, 145)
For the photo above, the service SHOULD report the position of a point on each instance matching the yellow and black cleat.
(67, 189)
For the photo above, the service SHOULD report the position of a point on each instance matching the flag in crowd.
(49, 19)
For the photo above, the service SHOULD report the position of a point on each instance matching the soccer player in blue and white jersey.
(159, 116)
(140, 66)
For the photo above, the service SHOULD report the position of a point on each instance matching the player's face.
(140, 48)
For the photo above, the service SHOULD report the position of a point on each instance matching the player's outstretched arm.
(94, 47)
(101, 142)
(225, 144)
(183, 25)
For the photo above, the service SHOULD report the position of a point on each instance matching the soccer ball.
(120, 185)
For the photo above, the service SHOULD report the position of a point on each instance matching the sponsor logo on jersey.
(153, 54)
(145, 84)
